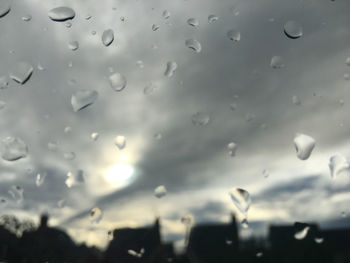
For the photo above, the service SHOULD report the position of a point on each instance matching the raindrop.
(61, 203)
(293, 30)
(187, 220)
(83, 98)
(234, 35)
(158, 136)
(296, 100)
(277, 62)
(74, 179)
(319, 240)
(200, 119)
(259, 254)
(13, 149)
(122, 18)
(40, 178)
(232, 148)
(93, 32)
(170, 68)
(73, 45)
(149, 89)
(17, 193)
(107, 37)
(22, 72)
(266, 173)
(69, 156)
(346, 76)
(212, 18)
(96, 215)
(40, 67)
(68, 24)
(194, 45)
(4, 8)
(249, 117)
(244, 223)
(62, 13)
(110, 235)
(27, 18)
(88, 16)
(304, 144)
(337, 164)
(140, 64)
(68, 129)
(4, 83)
(155, 27)
(343, 214)
(120, 142)
(233, 106)
(95, 136)
(52, 146)
(301, 234)
(117, 81)
(347, 61)
(3, 201)
(2, 104)
(160, 191)
(193, 22)
(134, 253)
(166, 14)
(241, 199)
(228, 242)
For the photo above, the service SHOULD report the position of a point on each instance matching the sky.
(230, 83)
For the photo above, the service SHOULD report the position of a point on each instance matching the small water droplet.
(233, 106)
(160, 191)
(304, 144)
(347, 61)
(293, 29)
(69, 156)
(73, 45)
(110, 235)
(74, 178)
(266, 173)
(117, 81)
(244, 223)
(27, 18)
(343, 214)
(212, 18)
(122, 18)
(61, 203)
(232, 148)
(140, 64)
(249, 117)
(2, 104)
(40, 178)
(17, 193)
(171, 67)
(228, 242)
(200, 119)
(155, 27)
(337, 164)
(68, 24)
(259, 254)
(62, 13)
(13, 149)
(96, 215)
(107, 37)
(149, 89)
(319, 240)
(234, 35)
(67, 129)
(52, 146)
(193, 22)
(296, 100)
(241, 199)
(93, 32)
(88, 17)
(95, 136)
(346, 76)
(22, 72)
(158, 136)
(120, 142)
(166, 14)
(301, 234)
(194, 45)
(4, 83)
(277, 62)
(83, 98)
(187, 220)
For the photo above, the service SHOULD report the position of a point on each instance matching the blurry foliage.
(16, 226)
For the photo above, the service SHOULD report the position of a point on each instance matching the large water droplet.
(232, 148)
(13, 149)
(337, 164)
(17, 193)
(4, 8)
(170, 69)
(304, 144)
(293, 30)
(22, 72)
(166, 14)
(107, 37)
(277, 62)
(83, 98)
(200, 119)
(40, 178)
(301, 234)
(241, 199)
(234, 35)
(61, 13)
(212, 18)
(193, 44)
(160, 191)
(120, 142)
(193, 22)
(117, 81)
(96, 215)
(73, 45)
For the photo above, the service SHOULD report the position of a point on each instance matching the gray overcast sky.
(191, 161)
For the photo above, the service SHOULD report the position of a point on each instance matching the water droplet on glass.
(83, 98)
(347, 76)
(96, 215)
(259, 254)
(110, 235)
(40, 178)
(4, 8)
(52, 146)
(200, 119)
(88, 16)
(27, 18)
(4, 83)
(117, 81)
(61, 203)
(155, 27)
(3, 201)
(62, 13)
(69, 156)
(232, 148)
(228, 242)
(193, 22)
(233, 106)
(194, 45)
(122, 18)
(241, 199)
(170, 68)
(22, 72)
(296, 100)
(149, 89)
(337, 164)
(68, 24)
(73, 45)
(187, 220)
(68, 129)
(160, 191)
(107, 37)
(17, 193)
(95, 136)
(234, 35)
(249, 117)
(74, 179)
(120, 142)
(319, 240)
(304, 144)
(13, 149)
(158, 136)
(140, 64)
(212, 18)
(266, 173)
(347, 61)
(244, 223)
(277, 62)
(93, 32)
(166, 14)
(293, 30)
(135, 254)
(2, 104)
(301, 234)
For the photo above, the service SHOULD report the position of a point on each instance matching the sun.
(120, 175)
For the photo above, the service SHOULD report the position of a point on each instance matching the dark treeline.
(22, 242)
